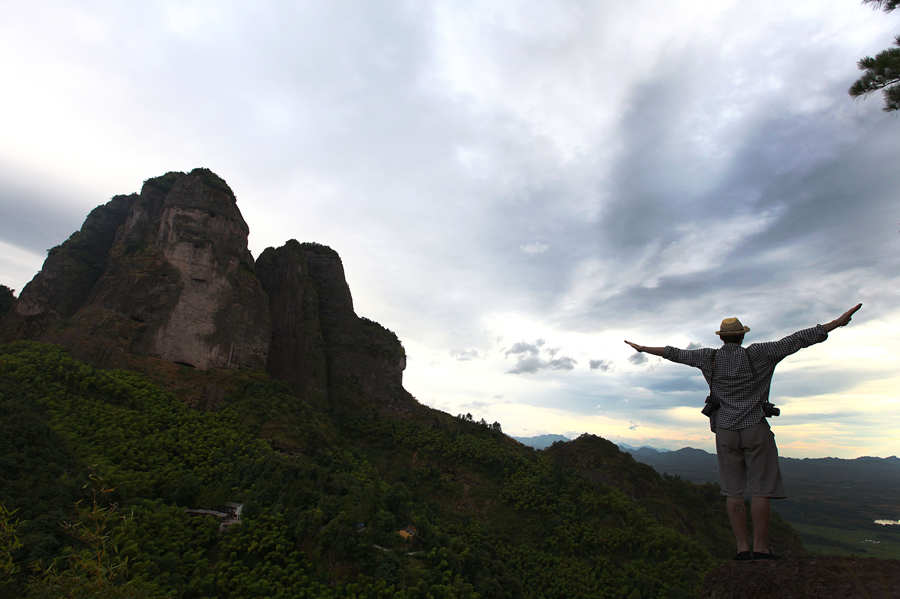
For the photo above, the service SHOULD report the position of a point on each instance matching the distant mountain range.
(541, 441)
(865, 474)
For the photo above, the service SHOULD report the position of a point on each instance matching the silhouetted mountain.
(631, 448)
(541, 441)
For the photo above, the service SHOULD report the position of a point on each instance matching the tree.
(883, 71)
(885, 5)
(7, 299)
(9, 545)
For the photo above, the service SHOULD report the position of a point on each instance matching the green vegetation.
(882, 542)
(212, 179)
(97, 468)
(883, 71)
(7, 299)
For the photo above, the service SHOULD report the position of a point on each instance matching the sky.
(514, 187)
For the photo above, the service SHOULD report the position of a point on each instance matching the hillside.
(99, 467)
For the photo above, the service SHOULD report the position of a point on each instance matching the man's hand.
(635, 345)
(843, 319)
(656, 351)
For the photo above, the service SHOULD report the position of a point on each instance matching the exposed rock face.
(7, 300)
(318, 342)
(71, 269)
(165, 273)
(297, 348)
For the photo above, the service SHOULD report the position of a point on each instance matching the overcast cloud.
(513, 188)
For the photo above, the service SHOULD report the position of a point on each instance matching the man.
(739, 380)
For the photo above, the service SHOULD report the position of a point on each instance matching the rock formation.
(71, 269)
(297, 348)
(319, 344)
(167, 273)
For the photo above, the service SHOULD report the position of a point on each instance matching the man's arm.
(656, 351)
(841, 320)
(698, 358)
(776, 351)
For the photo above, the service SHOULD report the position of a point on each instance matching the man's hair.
(733, 338)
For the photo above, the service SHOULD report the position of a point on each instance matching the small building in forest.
(229, 514)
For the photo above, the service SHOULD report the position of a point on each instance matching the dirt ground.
(815, 577)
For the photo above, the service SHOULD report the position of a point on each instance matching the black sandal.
(743, 556)
(763, 555)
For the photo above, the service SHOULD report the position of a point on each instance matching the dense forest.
(98, 469)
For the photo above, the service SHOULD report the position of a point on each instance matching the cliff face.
(297, 348)
(167, 273)
(319, 344)
(71, 269)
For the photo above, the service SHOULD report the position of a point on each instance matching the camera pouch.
(711, 409)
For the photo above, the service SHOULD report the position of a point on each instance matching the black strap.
(750, 362)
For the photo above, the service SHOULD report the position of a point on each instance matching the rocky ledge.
(813, 578)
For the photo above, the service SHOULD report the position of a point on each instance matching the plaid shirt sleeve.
(698, 358)
(775, 351)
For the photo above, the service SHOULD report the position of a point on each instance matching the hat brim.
(741, 332)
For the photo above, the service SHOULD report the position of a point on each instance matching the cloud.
(637, 359)
(39, 212)
(464, 355)
(523, 348)
(693, 345)
(564, 363)
(535, 247)
(528, 364)
(533, 357)
(767, 200)
(475, 406)
(532, 364)
(601, 365)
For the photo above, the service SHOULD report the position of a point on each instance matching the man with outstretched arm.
(739, 380)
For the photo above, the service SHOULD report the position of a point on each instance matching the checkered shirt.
(741, 394)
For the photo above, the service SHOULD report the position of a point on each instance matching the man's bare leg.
(759, 511)
(737, 515)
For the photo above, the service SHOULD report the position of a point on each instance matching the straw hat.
(732, 326)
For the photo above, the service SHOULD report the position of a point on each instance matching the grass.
(878, 541)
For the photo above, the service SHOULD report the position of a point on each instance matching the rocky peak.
(167, 273)
(318, 342)
(72, 268)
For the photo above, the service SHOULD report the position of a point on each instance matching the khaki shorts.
(749, 457)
